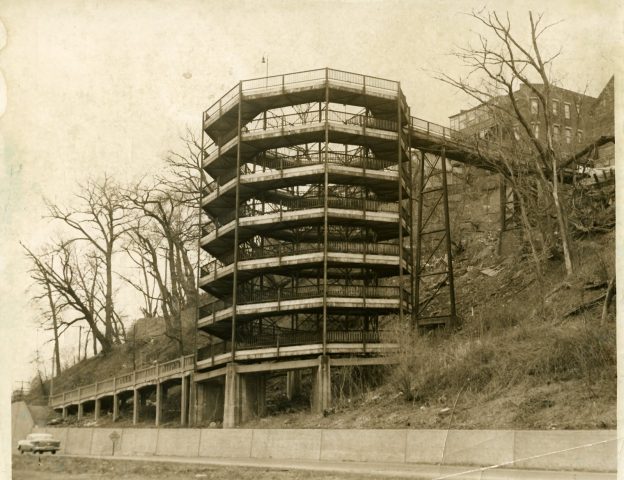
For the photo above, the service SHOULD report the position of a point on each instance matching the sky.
(90, 87)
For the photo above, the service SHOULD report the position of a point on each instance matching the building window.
(555, 107)
(454, 123)
(566, 111)
(534, 106)
(556, 132)
(568, 135)
(535, 129)
(579, 136)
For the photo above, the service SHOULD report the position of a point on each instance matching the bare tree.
(54, 311)
(77, 285)
(498, 65)
(99, 219)
(185, 173)
(160, 241)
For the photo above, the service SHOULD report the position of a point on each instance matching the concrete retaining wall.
(286, 444)
(183, 442)
(590, 450)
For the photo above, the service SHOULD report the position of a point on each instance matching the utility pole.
(265, 59)
(52, 378)
(79, 340)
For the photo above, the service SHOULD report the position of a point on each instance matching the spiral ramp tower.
(307, 223)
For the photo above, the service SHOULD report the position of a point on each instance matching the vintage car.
(39, 443)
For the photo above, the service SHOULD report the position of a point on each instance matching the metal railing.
(121, 382)
(315, 78)
(308, 78)
(282, 337)
(470, 143)
(274, 162)
(288, 205)
(276, 337)
(305, 291)
(287, 249)
(281, 122)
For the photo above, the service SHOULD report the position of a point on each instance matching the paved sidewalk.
(396, 470)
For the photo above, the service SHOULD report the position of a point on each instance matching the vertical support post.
(115, 406)
(96, 409)
(321, 386)
(410, 183)
(325, 210)
(135, 406)
(194, 403)
(159, 403)
(199, 237)
(449, 246)
(232, 400)
(64, 412)
(184, 400)
(400, 168)
(293, 383)
(237, 221)
(421, 188)
(80, 410)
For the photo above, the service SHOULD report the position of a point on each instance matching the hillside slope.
(518, 360)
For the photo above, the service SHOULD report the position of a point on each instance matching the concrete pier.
(245, 396)
(321, 386)
(293, 383)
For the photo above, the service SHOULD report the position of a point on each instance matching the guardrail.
(444, 135)
(489, 149)
(287, 249)
(280, 122)
(306, 291)
(282, 337)
(271, 162)
(308, 78)
(121, 382)
(287, 205)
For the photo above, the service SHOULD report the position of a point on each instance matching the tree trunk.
(94, 346)
(108, 316)
(86, 343)
(57, 354)
(561, 219)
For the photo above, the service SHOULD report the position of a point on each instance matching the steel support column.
(236, 219)
(434, 247)
(325, 210)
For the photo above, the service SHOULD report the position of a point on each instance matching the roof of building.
(524, 87)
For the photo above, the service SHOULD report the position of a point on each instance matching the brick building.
(580, 123)
(601, 124)
(570, 112)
